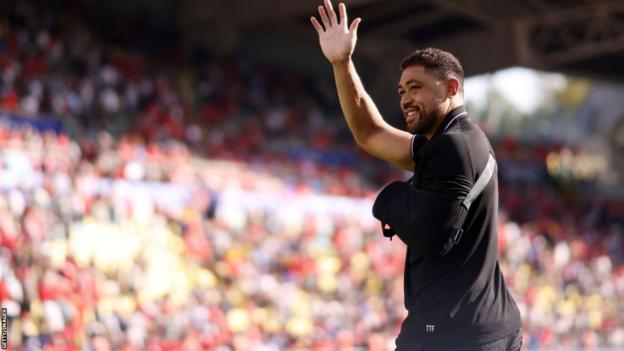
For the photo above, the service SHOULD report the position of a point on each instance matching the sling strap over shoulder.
(476, 190)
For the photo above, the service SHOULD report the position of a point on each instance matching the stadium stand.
(143, 206)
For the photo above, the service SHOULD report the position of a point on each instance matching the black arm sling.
(474, 192)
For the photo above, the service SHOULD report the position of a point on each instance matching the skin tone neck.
(453, 103)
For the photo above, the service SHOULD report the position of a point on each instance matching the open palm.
(336, 39)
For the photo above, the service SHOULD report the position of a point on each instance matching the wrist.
(342, 63)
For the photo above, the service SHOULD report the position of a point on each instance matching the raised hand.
(336, 39)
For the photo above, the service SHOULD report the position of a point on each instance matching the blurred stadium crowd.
(218, 207)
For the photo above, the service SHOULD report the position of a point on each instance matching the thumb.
(354, 26)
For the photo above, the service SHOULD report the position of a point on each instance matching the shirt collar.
(450, 118)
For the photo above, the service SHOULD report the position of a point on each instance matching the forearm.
(361, 114)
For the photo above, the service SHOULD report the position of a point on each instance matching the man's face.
(422, 96)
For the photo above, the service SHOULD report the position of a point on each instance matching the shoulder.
(459, 151)
(447, 166)
(448, 154)
(449, 144)
(465, 140)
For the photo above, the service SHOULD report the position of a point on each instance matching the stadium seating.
(225, 207)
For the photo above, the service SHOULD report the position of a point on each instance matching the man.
(454, 290)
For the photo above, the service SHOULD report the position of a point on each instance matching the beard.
(426, 121)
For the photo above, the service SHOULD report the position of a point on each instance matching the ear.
(453, 87)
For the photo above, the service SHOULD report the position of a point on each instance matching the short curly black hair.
(443, 63)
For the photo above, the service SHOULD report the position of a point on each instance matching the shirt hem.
(469, 337)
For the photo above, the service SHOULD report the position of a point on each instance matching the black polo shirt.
(459, 298)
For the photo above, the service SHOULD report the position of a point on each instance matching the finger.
(354, 25)
(330, 12)
(324, 18)
(342, 9)
(316, 25)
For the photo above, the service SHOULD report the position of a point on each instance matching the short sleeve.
(417, 146)
(448, 167)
